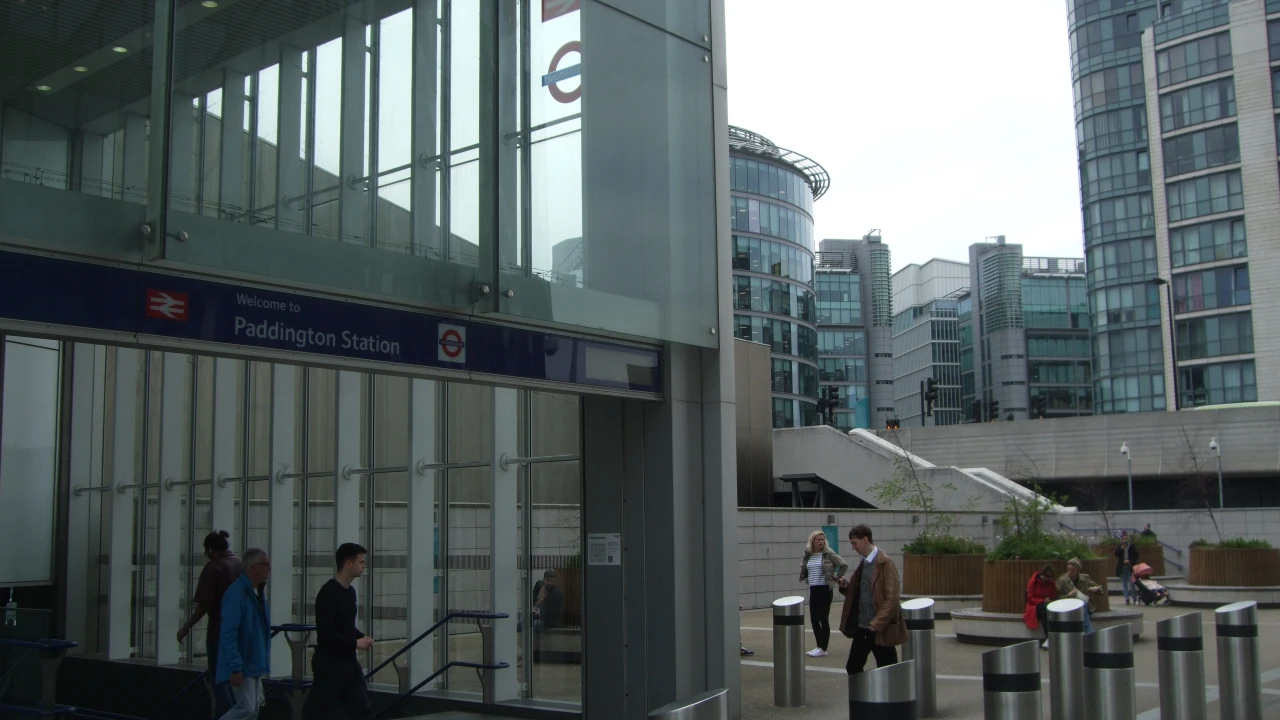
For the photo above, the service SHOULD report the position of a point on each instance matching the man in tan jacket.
(872, 613)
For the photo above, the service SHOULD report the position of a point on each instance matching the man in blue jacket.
(244, 655)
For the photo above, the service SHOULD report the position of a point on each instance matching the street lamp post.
(1214, 446)
(1173, 339)
(1124, 450)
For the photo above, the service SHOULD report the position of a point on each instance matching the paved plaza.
(959, 668)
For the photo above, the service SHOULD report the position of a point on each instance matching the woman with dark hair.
(1041, 590)
(222, 569)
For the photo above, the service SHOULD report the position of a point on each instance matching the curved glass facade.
(1115, 192)
(773, 293)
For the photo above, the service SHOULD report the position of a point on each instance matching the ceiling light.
(210, 3)
(80, 68)
(120, 49)
(43, 88)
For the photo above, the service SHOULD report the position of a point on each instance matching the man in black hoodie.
(338, 677)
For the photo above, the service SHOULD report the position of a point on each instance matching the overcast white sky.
(940, 123)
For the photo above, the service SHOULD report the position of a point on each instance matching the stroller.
(1150, 592)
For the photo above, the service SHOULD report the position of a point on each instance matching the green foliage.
(906, 488)
(931, 544)
(1233, 544)
(1042, 546)
(1139, 539)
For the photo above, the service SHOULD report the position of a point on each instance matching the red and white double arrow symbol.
(167, 305)
(552, 9)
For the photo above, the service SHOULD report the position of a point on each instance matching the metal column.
(502, 685)
(175, 419)
(885, 692)
(1066, 658)
(347, 454)
(920, 647)
(353, 189)
(88, 403)
(423, 526)
(788, 652)
(1239, 663)
(124, 469)
(1011, 683)
(1180, 647)
(280, 543)
(227, 394)
(233, 200)
(1109, 675)
(291, 182)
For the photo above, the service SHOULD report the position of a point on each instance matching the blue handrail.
(31, 646)
(465, 614)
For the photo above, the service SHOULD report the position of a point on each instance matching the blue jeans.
(1088, 621)
(1126, 583)
(249, 697)
(222, 697)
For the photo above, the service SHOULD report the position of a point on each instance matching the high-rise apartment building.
(855, 342)
(771, 215)
(1177, 133)
(925, 339)
(1024, 338)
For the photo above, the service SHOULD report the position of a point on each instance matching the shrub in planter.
(942, 565)
(1234, 562)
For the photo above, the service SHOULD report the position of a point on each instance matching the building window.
(751, 176)
(774, 333)
(773, 258)
(1105, 87)
(1200, 104)
(771, 296)
(1233, 382)
(1138, 302)
(1059, 302)
(842, 342)
(1059, 372)
(784, 414)
(1110, 34)
(1211, 289)
(1217, 240)
(1202, 196)
(782, 376)
(839, 298)
(1122, 260)
(1122, 172)
(1128, 350)
(1273, 38)
(1107, 219)
(1076, 345)
(808, 380)
(1215, 336)
(1115, 128)
(757, 216)
(1130, 393)
(842, 369)
(1275, 88)
(1201, 150)
(1194, 59)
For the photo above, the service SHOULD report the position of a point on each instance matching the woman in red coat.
(1041, 590)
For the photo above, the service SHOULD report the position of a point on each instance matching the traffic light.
(930, 395)
(892, 424)
(993, 410)
(828, 401)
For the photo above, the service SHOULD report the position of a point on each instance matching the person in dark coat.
(1126, 557)
(547, 602)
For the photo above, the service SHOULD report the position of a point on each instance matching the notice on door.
(604, 549)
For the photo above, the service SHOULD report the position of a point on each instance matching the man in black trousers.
(338, 677)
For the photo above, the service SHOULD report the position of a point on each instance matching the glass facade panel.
(1207, 195)
(1122, 260)
(1114, 129)
(1215, 336)
(1114, 218)
(1200, 104)
(1211, 289)
(1194, 59)
(1115, 173)
(775, 258)
(1233, 382)
(761, 178)
(839, 298)
(1108, 87)
(842, 342)
(1125, 304)
(766, 218)
(1054, 302)
(1201, 150)
(1218, 240)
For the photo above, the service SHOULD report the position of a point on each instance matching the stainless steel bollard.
(1011, 683)
(788, 652)
(1180, 647)
(1109, 675)
(1066, 658)
(918, 615)
(1239, 663)
(711, 705)
(886, 692)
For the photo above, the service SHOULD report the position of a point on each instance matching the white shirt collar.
(874, 552)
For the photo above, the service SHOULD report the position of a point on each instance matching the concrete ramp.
(856, 461)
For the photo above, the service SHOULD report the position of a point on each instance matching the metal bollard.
(886, 692)
(788, 652)
(1180, 647)
(1011, 683)
(1239, 663)
(711, 705)
(297, 636)
(1066, 658)
(1109, 675)
(920, 647)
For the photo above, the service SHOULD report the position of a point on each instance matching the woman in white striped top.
(824, 570)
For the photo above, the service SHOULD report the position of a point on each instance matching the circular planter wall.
(1004, 582)
(1152, 555)
(942, 575)
(1233, 567)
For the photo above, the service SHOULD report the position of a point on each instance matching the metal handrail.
(467, 614)
(436, 674)
(1135, 532)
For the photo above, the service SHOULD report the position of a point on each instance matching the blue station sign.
(55, 291)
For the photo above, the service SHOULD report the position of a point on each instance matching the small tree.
(906, 487)
(1198, 488)
(1095, 490)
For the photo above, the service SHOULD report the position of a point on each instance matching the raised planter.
(942, 575)
(1004, 582)
(1152, 555)
(1234, 567)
